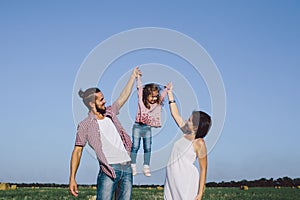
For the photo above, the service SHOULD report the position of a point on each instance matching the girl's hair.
(88, 96)
(203, 121)
(147, 90)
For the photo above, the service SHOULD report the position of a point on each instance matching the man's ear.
(92, 104)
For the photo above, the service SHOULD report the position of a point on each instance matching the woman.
(182, 179)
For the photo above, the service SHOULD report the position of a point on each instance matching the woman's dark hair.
(88, 96)
(203, 121)
(147, 90)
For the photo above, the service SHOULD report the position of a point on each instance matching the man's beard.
(100, 110)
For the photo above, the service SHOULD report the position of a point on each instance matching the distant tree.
(263, 182)
(288, 182)
(212, 184)
(297, 181)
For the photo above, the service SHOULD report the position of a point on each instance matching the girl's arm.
(164, 92)
(139, 87)
(173, 108)
(139, 82)
(201, 152)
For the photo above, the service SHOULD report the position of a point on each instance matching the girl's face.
(153, 97)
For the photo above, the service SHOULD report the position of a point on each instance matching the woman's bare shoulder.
(199, 142)
(200, 147)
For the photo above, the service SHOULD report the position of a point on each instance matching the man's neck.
(98, 115)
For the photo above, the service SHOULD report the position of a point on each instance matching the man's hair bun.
(81, 93)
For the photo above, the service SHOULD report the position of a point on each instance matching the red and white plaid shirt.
(88, 131)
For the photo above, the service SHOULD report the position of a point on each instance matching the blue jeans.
(121, 186)
(141, 131)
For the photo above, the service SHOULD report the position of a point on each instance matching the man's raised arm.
(128, 88)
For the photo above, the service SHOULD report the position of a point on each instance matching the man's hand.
(75, 160)
(73, 188)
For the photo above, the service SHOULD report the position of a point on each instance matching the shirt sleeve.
(81, 138)
(115, 107)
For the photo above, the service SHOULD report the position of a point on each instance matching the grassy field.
(155, 194)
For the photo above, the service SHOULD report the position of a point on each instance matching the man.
(106, 136)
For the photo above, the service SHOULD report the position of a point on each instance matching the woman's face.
(188, 127)
(153, 97)
(190, 123)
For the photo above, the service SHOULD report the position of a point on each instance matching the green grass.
(154, 194)
(256, 193)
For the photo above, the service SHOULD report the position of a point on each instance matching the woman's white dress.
(182, 179)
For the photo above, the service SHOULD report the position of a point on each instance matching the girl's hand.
(169, 86)
(136, 72)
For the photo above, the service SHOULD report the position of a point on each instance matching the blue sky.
(253, 44)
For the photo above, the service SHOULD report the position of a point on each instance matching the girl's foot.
(146, 170)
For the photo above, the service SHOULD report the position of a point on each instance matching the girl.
(182, 179)
(148, 115)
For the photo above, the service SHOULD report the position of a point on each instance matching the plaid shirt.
(88, 131)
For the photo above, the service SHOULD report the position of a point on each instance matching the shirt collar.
(93, 116)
